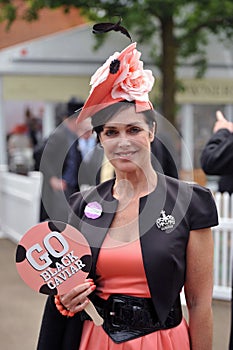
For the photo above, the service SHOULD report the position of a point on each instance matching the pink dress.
(121, 271)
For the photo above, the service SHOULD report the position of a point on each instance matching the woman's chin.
(124, 165)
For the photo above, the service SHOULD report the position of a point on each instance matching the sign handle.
(93, 313)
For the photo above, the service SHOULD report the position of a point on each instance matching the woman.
(151, 237)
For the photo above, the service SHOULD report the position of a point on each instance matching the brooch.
(165, 222)
(93, 210)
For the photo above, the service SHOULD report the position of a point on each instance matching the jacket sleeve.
(202, 211)
(57, 331)
(217, 155)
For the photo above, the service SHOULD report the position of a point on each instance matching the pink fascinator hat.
(121, 78)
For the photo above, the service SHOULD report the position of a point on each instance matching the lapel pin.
(93, 210)
(165, 222)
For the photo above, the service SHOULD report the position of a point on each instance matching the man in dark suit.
(60, 162)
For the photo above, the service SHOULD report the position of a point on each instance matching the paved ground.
(21, 309)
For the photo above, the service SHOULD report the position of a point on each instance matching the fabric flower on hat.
(120, 78)
(133, 82)
(102, 73)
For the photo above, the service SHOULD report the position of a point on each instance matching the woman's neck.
(134, 185)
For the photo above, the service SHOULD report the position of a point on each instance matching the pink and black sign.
(53, 257)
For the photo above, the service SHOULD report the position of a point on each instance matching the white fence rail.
(223, 247)
(19, 202)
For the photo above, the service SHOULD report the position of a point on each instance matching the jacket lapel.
(162, 254)
(95, 230)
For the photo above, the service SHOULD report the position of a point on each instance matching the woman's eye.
(134, 130)
(110, 132)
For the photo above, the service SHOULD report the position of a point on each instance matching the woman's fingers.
(80, 307)
(76, 299)
(80, 301)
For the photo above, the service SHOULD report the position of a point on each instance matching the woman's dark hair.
(104, 115)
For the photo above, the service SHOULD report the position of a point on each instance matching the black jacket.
(217, 159)
(163, 250)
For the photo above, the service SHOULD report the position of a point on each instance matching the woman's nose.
(123, 141)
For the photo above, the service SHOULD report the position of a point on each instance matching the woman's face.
(126, 139)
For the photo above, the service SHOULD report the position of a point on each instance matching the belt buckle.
(115, 312)
(123, 315)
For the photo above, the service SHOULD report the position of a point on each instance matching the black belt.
(127, 317)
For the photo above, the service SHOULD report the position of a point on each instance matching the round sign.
(53, 257)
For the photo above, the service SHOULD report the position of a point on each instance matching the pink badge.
(93, 210)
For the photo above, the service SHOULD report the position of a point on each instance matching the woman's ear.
(152, 132)
(99, 139)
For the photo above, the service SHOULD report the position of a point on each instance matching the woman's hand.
(76, 300)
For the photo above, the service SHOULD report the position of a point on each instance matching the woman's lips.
(127, 154)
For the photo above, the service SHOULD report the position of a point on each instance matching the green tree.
(181, 26)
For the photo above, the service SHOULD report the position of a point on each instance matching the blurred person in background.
(34, 125)
(87, 144)
(217, 155)
(20, 150)
(59, 160)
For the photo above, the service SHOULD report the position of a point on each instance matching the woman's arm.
(199, 288)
